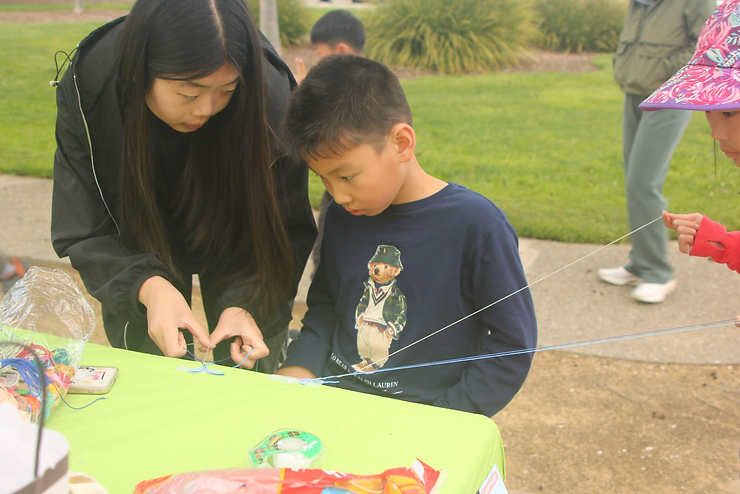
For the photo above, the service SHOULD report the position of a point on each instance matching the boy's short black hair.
(339, 26)
(343, 102)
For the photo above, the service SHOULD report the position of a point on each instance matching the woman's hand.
(296, 371)
(235, 321)
(166, 313)
(686, 226)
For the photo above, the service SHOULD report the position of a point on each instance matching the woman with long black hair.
(167, 166)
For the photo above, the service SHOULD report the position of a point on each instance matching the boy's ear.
(404, 139)
(343, 49)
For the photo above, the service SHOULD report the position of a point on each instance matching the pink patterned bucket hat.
(711, 80)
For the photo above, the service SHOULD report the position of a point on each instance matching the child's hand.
(686, 226)
(300, 70)
(167, 312)
(296, 371)
(235, 321)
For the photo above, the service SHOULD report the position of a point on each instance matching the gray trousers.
(649, 139)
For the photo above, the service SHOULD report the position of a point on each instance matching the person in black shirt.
(166, 166)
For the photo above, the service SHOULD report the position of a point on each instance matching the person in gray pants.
(658, 38)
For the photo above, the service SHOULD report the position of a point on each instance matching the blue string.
(318, 380)
(245, 359)
(196, 359)
(44, 405)
(608, 339)
(30, 375)
(28, 372)
(205, 368)
(76, 408)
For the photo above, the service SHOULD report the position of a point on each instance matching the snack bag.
(419, 479)
(46, 312)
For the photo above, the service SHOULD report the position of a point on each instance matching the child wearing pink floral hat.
(710, 82)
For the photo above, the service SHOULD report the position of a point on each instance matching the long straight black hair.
(228, 201)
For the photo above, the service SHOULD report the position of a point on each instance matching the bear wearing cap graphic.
(381, 313)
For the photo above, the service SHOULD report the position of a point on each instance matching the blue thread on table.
(205, 368)
(76, 408)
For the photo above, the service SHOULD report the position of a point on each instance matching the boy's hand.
(300, 70)
(167, 312)
(686, 226)
(296, 371)
(236, 321)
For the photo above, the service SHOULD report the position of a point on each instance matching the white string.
(385, 359)
(608, 339)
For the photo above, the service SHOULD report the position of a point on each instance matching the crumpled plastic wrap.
(46, 311)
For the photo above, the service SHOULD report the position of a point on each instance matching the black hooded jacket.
(86, 205)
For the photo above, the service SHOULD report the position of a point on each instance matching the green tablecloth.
(158, 420)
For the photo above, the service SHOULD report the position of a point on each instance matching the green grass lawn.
(545, 147)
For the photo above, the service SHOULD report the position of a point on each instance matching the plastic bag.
(419, 479)
(46, 311)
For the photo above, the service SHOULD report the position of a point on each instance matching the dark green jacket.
(656, 41)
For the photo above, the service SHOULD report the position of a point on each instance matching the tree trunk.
(269, 23)
(79, 6)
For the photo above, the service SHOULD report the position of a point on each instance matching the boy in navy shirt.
(404, 255)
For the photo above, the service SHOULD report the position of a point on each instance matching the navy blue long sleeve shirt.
(457, 253)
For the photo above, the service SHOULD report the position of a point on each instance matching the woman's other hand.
(237, 322)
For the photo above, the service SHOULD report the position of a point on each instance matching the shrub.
(294, 20)
(451, 36)
(580, 25)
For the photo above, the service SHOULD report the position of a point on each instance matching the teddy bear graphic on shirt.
(381, 313)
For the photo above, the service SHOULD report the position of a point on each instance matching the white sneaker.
(619, 276)
(653, 293)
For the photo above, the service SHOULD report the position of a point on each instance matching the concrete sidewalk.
(572, 304)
